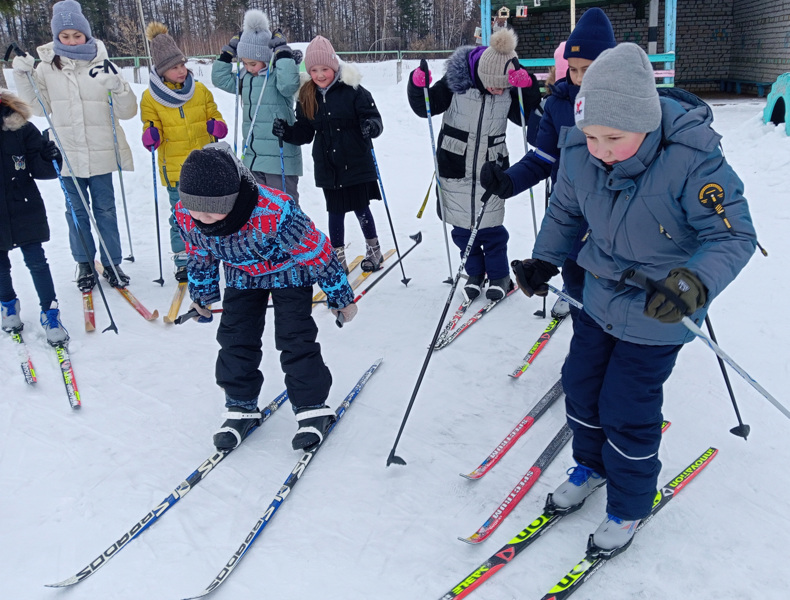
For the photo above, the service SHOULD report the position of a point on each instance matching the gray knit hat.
(619, 91)
(254, 42)
(165, 54)
(210, 180)
(492, 66)
(68, 15)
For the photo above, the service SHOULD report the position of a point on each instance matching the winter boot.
(340, 252)
(560, 309)
(473, 286)
(237, 426)
(85, 279)
(50, 321)
(612, 536)
(373, 258)
(180, 259)
(117, 282)
(498, 288)
(181, 275)
(570, 495)
(314, 422)
(11, 319)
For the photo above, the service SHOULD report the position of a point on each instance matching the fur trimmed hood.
(347, 74)
(459, 68)
(15, 113)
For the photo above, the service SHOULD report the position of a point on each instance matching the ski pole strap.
(652, 286)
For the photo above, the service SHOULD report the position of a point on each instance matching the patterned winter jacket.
(473, 132)
(278, 247)
(653, 212)
(23, 218)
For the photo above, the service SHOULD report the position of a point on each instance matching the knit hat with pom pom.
(164, 52)
(492, 66)
(254, 42)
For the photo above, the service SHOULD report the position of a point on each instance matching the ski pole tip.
(393, 459)
(405, 281)
(417, 237)
(741, 430)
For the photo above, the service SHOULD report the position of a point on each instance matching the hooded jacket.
(23, 218)
(80, 110)
(473, 132)
(341, 156)
(647, 213)
(263, 153)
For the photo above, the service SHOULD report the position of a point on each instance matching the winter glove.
(216, 128)
(519, 78)
(204, 315)
(533, 274)
(298, 56)
(107, 76)
(233, 43)
(686, 286)
(281, 129)
(494, 179)
(418, 78)
(24, 64)
(371, 128)
(277, 40)
(151, 139)
(348, 312)
(49, 151)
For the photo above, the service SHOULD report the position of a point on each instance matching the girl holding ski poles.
(267, 85)
(179, 115)
(24, 157)
(73, 84)
(342, 117)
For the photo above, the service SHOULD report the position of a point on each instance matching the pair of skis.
(64, 363)
(198, 475)
(452, 330)
(89, 317)
(592, 561)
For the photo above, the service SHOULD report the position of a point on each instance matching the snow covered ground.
(72, 482)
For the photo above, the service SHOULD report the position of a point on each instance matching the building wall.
(715, 39)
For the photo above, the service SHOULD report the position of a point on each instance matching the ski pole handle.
(190, 314)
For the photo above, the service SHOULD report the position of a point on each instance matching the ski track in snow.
(73, 481)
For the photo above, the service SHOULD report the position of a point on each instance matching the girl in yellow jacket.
(179, 115)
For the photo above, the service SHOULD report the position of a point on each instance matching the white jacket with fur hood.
(80, 111)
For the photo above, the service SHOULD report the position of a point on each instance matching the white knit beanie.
(492, 66)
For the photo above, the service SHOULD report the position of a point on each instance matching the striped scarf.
(171, 98)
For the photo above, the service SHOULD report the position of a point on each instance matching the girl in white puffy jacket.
(75, 89)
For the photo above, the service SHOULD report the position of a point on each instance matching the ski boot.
(473, 286)
(612, 537)
(11, 322)
(373, 257)
(499, 288)
(238, 424)
(571, 494)
(50, 321)
(85, 279)
(314, 422)
(117, 282)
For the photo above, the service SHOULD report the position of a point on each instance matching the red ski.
(132, 299)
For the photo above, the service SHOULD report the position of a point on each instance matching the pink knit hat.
(320, 53)
(560, 63)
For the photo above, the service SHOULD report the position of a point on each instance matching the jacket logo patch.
(710, 194)
(19, 162)
(578, 110)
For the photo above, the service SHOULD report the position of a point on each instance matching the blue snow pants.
(489, 251)
(613, 398)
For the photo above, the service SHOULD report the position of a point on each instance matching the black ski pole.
(161, 280)
(405, 280)
(393, 458)
(741, 430)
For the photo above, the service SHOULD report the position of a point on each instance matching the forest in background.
(202, 27)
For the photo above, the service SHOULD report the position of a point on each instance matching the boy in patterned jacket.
(269, 247)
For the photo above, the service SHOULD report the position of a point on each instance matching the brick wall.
(760, 39)
(703, 43)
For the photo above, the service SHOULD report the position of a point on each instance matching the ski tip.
(472, 539)
(473, 476)
(62, 584)
(154, 316)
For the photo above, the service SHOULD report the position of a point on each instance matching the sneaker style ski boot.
(314, 422)
(613, 536)
(85, 279)
(498, 288)
(50, 321)
(340, 252)
(473, 286)
(238, 424)
(570, 495)
(10, 312)
(560, 309)
(373, 258)
(117, 282)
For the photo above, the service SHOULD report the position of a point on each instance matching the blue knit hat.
(592, 35)
(68, 15)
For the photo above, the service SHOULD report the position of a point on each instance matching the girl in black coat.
(25, 156)
(342, 117)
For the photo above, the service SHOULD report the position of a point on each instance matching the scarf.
(171, 98)
(239, 214)
(86, 51)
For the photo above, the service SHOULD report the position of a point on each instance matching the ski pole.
(405, 280)
(236, 104)
(282, 161)
(111, 326)
(424, 67)
(161, 280)
(741, 430)
(691, 326)
(190, 314)
(19, 52)
(392, 458)
(107, 67)
(427, 195)
(257, 107)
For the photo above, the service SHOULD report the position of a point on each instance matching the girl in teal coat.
(269, 66)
